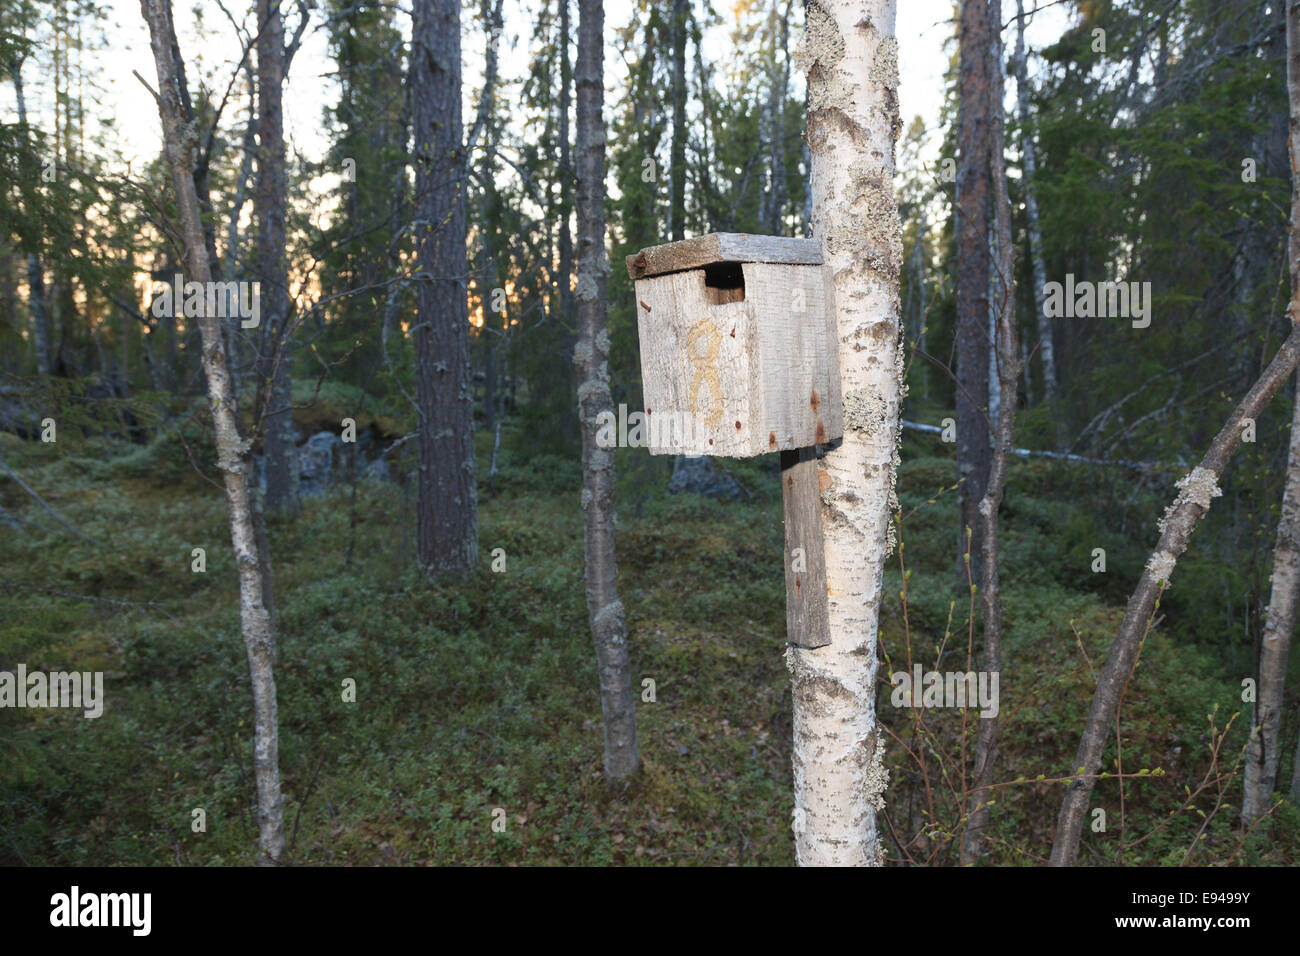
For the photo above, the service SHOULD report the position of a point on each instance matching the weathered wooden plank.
(798, 364)
(739, 371)
(696, 359)
(806, 605)
(722, 247)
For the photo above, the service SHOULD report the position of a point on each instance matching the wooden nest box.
(739, 352)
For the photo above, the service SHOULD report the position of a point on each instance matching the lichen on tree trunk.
(591, 363)
(1195, 492)
(1261, 755)
(850, 57)
(233, 459)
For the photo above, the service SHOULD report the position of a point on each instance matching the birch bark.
(1279, 623)
(233, 459)
(850, 56)
(1029, 164)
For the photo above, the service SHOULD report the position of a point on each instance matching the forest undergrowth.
(475, 733)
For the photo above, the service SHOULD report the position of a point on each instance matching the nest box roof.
(722, 247)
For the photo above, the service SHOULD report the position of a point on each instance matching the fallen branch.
(1060, 455)
(117, 602)
(44, 504)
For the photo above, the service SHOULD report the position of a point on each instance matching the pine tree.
(447, 514)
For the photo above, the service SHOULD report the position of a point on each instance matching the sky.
(924, 29)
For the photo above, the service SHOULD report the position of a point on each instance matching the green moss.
(484, 694)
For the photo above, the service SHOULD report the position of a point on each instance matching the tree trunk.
(780, 80)
(35, 272)
(1029, 166)
(1261, 756)
(488, 276)
(248, 148)
(447, 510)
(230, 268)
(979, 19)
(591, 364)
(564, 172)
(850, 56)
(489, 381)
(1295, 777)
(1024, 372)
(705, 189)
(995, 385)
(920, 371)
(1005, 369)
(1191, 504)
(274, 416)
(677, 147)
(807, 188)
(12, 362)
(233, 457)
(40, 321)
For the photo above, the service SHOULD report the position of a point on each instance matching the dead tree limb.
(1196, 489)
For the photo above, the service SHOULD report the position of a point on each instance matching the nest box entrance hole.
(724, 282)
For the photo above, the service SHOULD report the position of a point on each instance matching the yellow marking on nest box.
(706, 369)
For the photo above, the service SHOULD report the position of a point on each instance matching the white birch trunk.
(1029, 163)
(995, 299)
(233, 459)
(1261, 754)
(1261, 757)
(1295, 777)
(850, 55)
